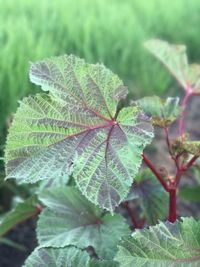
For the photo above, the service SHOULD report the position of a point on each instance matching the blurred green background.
(108, 31)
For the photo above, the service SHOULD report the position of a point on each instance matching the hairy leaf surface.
(20, 213)
(163, 245)
(70, 219)
(75, 124)
(174, 57)
(53, 257)
(163, 112)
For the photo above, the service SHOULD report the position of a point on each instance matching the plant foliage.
(70, 219)
(163, 245)
(174, 57)
(77, 124)
(82, 148)
(150, 195)
(52, 257)
(162, 112)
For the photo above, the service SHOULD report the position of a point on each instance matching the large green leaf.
(162, 112)
(163, 245)
(54, 257)
(75, 124)
(70, 219)
(20, 213)
(151, 196)
(174, 57)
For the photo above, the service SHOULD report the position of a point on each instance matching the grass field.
(108, 31)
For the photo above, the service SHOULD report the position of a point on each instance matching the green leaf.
(163, 112)
(163, 245)
(151, 196)
(70, 219)
(53, 182)
(54, 257)
(192, 147)
(174, 57)
(190, 193)
(20, 213)
(10, 243)
(104, 263)
(75, 125)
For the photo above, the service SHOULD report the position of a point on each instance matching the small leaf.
(190, 193)
(192, 147)
(20, 213)
(174, 57)
(183, 146)
(74, 126)
(152, 198)
(70, 219)
(163, 245)
(54, 257)
(163, 112)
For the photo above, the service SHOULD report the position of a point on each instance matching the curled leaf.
(175, 59)
(162, 112)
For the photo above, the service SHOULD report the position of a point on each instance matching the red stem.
(130, 213)
(183, 169)
(172, 205)
(191, 162)
(155, 172)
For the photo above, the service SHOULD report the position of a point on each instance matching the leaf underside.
(70, 219)
(175, 59)
(163, 245)
(52, 257)
(162, 112)
(74, 127)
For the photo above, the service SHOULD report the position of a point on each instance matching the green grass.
(108, 31)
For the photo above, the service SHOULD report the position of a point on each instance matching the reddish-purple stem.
(183, 169)
(172, 204)
(130, 213)
(155, 172)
